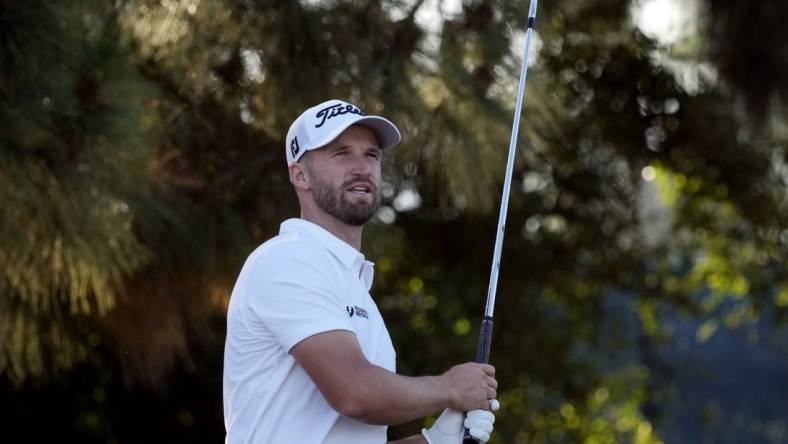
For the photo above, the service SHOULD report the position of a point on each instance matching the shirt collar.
(345, 254)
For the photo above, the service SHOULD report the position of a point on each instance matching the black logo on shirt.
(356, 311)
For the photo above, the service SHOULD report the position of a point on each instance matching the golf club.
(485, 333)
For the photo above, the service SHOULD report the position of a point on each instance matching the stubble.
(333, 201)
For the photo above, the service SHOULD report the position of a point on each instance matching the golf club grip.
(482, 357)
(485, 341)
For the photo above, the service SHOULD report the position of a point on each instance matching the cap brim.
(385, 131)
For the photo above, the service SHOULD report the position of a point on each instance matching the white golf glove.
(450, 427)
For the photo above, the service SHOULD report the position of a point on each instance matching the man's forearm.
(361, 390)
(383, 397)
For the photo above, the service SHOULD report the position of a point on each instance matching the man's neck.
(350, 234)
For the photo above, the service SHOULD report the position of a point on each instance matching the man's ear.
(299, 177)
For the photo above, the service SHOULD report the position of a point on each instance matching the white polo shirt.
(302, 282)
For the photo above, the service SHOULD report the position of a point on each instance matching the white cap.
(319, 125)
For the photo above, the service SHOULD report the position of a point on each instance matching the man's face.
(345, 176)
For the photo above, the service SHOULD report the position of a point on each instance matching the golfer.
(307, 357)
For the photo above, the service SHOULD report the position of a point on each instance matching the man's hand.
(471, 386)
(449, 428)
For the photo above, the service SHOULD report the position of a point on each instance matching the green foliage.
(141, 160)
(73, 156)
(80, 209)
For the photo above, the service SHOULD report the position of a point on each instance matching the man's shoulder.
(291, 261)
(288, 248)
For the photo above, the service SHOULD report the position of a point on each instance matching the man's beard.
(333, 201)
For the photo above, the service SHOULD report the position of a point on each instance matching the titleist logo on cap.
(332, 111)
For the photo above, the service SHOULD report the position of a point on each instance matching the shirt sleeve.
(295, 291)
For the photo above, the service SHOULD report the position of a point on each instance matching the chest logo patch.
(356, 311)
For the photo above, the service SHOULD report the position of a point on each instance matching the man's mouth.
(360, 188)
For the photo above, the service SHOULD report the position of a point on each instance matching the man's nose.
(361, 165)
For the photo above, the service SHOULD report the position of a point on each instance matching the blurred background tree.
(643, 294)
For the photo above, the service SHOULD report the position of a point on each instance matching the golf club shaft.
(485, 334)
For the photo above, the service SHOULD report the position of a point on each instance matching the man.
(308, 358)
